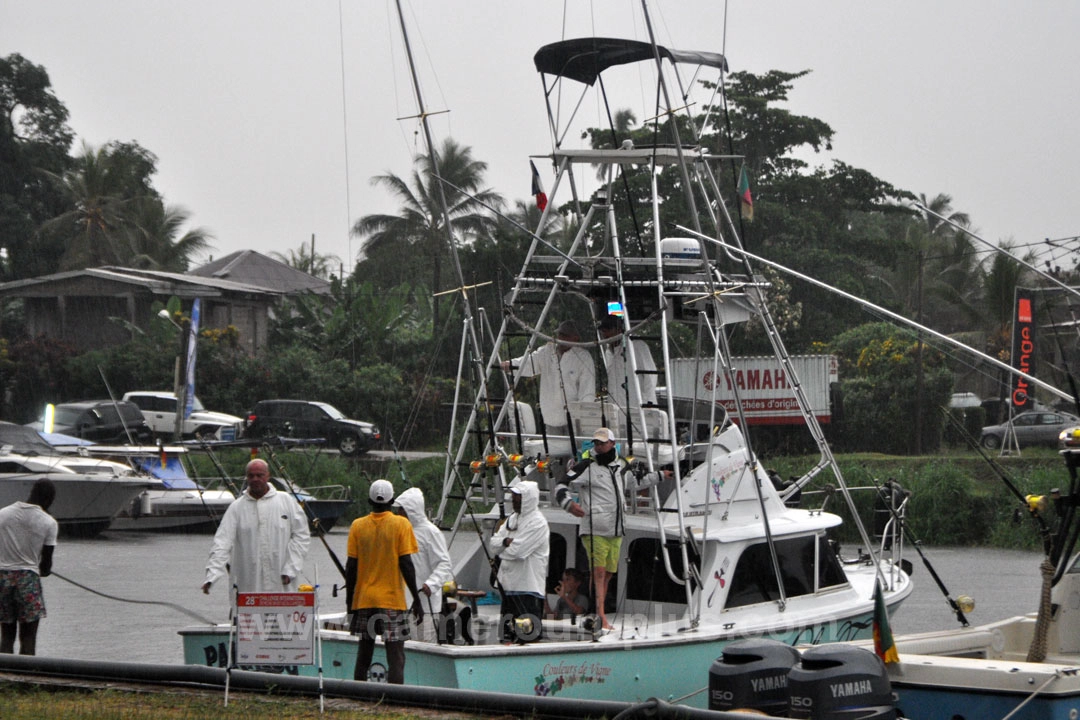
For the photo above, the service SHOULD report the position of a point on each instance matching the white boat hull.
(173, 510)
(85, 504)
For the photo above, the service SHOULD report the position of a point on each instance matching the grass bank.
(21, 701)
(956, 499)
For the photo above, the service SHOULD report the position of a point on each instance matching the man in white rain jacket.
(262, 539)
(431, 562)
(521, 544)
(567, 375)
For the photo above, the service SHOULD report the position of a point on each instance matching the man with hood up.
(521, 542)
(431, 561)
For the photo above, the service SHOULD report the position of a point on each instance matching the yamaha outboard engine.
(752, 675)
(840, 682)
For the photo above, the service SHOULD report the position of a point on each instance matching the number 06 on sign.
(275, 628)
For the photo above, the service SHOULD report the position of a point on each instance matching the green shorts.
(602, 551)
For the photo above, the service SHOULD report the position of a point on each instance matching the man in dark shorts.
(378, 569)
(27, 539)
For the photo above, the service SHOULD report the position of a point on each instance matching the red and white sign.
(767, 393)
(275, 628)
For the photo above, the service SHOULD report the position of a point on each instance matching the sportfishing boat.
(716, 553)
(180, 505)
(89, 491)
(1024, 667)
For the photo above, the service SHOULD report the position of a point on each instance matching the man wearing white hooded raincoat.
(262, 540)
(522, 544)
(431, 562)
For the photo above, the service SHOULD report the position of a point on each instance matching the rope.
(1057, 674)
(1037, 652)
(174, 606)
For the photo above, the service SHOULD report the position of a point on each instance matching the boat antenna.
(433, 160)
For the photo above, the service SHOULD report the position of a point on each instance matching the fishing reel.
(592, 624)
(526, 629)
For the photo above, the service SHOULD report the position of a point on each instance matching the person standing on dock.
(381, 547)
(262, 540)
(522, 545)
(431, 561)
(27, 540)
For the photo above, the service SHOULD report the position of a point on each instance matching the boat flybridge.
(711, 554)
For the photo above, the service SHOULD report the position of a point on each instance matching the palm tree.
(93, 228)
(418, 232)
(157, 240)
(304, 258)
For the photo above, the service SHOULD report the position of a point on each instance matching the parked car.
(159, 409)
(308, 419)
(1037, 427)
(102, 421)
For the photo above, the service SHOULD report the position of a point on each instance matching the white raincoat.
(432, 560)
(260, 540)
(578, 379)
(525, 561)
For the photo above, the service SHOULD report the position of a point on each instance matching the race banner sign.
(275, 628)
(1023, 349)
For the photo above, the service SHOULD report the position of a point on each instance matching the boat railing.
(887, 524)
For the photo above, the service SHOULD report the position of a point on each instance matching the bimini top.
(583, 59)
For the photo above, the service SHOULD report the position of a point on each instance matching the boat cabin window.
(646, 577)
(807, 564)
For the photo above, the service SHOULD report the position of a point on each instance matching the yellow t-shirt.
(377, 541)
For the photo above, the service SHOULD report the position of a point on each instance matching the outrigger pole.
(888, 313)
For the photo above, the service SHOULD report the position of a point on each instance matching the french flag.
(538, 188)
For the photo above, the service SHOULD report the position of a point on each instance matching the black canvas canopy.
(23, 440)
(583, 59)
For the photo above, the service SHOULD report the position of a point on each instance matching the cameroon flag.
(884, 645)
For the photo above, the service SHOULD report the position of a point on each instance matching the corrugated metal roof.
(257, 269)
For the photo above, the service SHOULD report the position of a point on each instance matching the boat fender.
(146, 504)
(752, 674)
(837, 681)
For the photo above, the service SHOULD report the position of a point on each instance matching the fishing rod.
(116, 405)
(887, 501)
(307, 510)
(1044, 529)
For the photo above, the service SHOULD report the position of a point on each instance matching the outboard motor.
(840, 682)
(752, 674)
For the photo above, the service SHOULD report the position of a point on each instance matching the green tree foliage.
(396, 246)
(115, 215)
(879, 389)
(34, 139)
(305, 259)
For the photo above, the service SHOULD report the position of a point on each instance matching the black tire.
(350, 445)
(991, 442)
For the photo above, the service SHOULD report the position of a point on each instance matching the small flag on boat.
(538, 188)
(746, 203)
(884, 645)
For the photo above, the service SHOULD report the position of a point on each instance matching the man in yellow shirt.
(378, 569)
